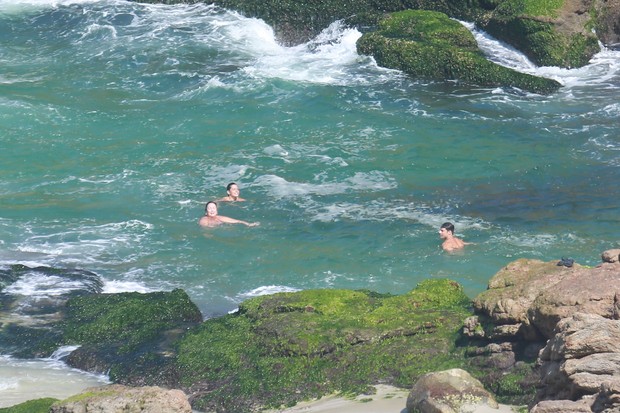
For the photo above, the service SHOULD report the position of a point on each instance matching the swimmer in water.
(212, 219)
(232, 189)
(450, 243)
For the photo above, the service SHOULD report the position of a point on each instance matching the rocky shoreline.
(543, 335)
(565, 33)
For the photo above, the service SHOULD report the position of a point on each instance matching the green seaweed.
(31, 406)
(429, 45)
(284, 348)
(125, 320)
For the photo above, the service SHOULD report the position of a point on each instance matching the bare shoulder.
(209, 222)
(230, 199)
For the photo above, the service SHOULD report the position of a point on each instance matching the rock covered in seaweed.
(288, 347)
(429, 45)
(552, 33)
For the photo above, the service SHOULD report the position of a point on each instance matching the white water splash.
(603, 67)
(266, 290)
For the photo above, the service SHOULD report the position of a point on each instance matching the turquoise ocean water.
(119, 120)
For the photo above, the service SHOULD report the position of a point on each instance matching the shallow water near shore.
(120, 119)
(23, 380)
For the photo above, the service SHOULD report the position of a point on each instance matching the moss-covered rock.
(550, 33)
(127, 334)
(31, 406)
(430, 45)
(287, 347)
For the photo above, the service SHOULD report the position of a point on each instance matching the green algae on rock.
(128, 319)
(551, 33)
(31, 406)
(287, 347)
(127, 335)
(430, 45)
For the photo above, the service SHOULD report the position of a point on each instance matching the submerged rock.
(32, 300)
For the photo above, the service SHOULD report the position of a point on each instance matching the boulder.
(581, 362)
(563, 406)
(532, 296)
(429, 45)
(611, 256)
(449, 391)
(117, 398)
(127, 335)
(549, 33)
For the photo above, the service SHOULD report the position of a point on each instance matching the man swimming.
(232, 189)
(450, 243)
(212, 219)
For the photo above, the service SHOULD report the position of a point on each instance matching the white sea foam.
(279, 187)
(528, 240)
(499, 52)
(124, 286)
(266, 290)
(384, 210)
(62, 352)
(36, 284)
(20, 6)
(275, 150)
(321, 60)
(603, 67)
(82, 245)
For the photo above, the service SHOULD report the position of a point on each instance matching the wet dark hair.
(230, 185)
(448, 226)
(210, 202)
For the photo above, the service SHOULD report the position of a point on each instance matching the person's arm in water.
(229, 220)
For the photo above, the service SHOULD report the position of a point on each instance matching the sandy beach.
(388, 399)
